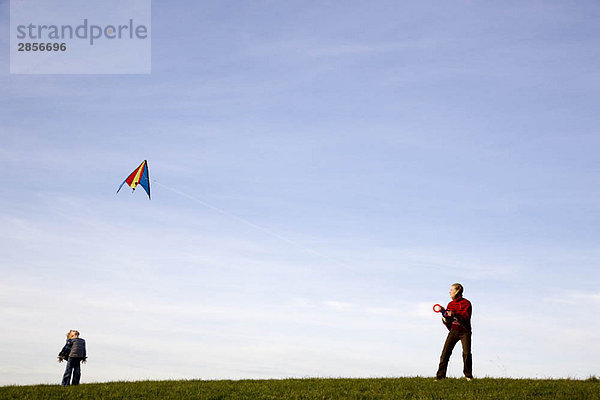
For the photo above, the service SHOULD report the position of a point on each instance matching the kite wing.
(138, 176)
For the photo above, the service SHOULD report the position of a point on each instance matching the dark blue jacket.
(66, 350)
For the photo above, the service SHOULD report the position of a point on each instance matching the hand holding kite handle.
(439, 309)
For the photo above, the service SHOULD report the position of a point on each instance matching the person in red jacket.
(457, 319)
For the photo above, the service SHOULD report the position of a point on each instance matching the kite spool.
(439, 309)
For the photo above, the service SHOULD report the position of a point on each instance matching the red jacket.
(461, 320)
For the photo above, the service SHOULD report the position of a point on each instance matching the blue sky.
(397, 147)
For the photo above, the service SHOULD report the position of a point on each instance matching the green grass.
(314, 388)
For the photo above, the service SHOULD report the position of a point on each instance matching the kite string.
(249, 223)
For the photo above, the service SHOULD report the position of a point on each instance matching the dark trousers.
(453, 338)
(73, 367)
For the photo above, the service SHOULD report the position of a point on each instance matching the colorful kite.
(139, 176)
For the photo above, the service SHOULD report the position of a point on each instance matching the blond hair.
(459, 288)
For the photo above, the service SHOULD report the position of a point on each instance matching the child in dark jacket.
(64, 353)
(76, 354)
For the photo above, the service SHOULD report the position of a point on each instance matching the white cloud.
(575, 297)
(337, 305)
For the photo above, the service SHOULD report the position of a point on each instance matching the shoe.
(469, 379)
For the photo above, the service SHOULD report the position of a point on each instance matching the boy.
(457, 319)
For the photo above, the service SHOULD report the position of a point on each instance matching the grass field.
(314, 388)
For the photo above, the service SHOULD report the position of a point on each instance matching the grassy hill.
(314, 388)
